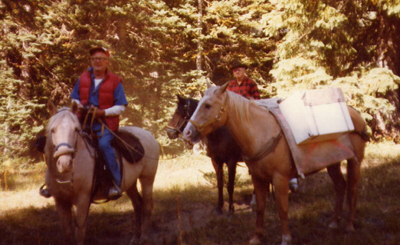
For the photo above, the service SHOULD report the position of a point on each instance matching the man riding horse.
(102, 91)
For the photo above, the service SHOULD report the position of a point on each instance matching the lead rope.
(93, 111)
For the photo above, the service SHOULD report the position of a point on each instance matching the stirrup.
(294, 185)
(114, 192)
(44, 192)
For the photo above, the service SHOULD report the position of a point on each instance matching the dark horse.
(221, 147)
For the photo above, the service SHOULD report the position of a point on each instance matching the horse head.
(209, 115)
(62, 131)
(185, 109)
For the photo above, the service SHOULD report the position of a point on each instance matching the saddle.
(127, 146)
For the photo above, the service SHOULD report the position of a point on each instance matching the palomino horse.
(69, 176)
(254, 128)
(221, 148)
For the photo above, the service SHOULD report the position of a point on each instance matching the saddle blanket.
(312, 157)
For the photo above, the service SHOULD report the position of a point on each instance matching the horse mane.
(59, 116)
(239, 105)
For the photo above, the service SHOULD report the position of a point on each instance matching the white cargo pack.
(317, 115)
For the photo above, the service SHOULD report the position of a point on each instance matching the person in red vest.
(98, 87)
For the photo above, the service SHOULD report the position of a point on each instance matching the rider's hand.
(100, 113)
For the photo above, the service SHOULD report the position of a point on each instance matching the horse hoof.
(350, 228)
(135, 241)
(217, 211)
(334, 225)
(286, 240)
(255, 240)
(253, 207)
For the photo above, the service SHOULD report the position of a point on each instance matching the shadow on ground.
(186, 217)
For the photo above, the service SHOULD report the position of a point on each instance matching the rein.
(182, 121)
(103, 125)
(93, 111)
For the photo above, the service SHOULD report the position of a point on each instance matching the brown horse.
(69, 176)
(221, 148)
(253, 128)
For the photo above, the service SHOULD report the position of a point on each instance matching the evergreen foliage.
(156, 46)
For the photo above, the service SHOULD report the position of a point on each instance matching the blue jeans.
(109, 154)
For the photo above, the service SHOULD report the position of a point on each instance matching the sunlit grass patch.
(382, 153)
(19, 176)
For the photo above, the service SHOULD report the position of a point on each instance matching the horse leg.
(260, 190)
(147, 195)
(82, 212)
(220, 183)
(64, 210)
(137, 203)
(231, 183)
(281, 184)
(353, 179)
(340, 187)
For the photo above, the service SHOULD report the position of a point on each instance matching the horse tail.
(360, 127)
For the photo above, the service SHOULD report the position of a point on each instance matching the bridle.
(182, 120)
(217, 118)
(70, 150)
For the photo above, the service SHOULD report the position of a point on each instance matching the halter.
(182, 120)
(70, 150)
(200, 128)
(64, 144)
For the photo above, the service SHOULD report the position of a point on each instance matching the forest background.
(162, 48)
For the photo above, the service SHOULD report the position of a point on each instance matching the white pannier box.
(317, 115)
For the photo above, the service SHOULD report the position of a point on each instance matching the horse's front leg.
(82, 213)
(64, 210)
(137, 203)
(220, 184)
(231, 183)
(281, 184)
(147, 195)
(340, 187)
(260, 190)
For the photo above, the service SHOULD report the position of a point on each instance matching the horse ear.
(209, 85)
(74, 107)
(224, 87)
(180, 99)
(51, 107)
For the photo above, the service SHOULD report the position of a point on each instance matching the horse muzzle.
(65, 164)
(191, 134)
(64, 157)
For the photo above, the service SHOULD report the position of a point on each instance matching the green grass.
(185, 188)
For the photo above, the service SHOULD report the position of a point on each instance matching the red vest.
(106, 95)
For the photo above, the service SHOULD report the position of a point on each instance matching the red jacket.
(106, 95)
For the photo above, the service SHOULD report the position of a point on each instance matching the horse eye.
(208, 106)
